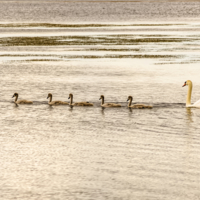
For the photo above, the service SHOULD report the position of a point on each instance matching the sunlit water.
(89, 152)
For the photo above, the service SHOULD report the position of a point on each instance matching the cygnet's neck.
(50, 98)
(71, 99)
(16, 97)
(188, 100)
(130, 102)
(102, 100)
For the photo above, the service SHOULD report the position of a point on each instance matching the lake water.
(146, 49)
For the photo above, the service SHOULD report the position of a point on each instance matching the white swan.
(20, 101)
(189, 94)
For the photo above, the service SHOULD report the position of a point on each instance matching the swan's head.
(49, 95)
(129, 98)
(70, 96)
(101, 97)
(188, 82)
(15, 95)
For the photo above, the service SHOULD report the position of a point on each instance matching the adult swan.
(188, 100)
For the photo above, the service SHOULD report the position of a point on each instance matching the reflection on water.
(102, 111)
(189, 114)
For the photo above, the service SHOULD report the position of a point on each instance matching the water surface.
(147, 50)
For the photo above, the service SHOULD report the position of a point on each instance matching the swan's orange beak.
(184, 85)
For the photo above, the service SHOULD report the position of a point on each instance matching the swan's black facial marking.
(68, 97)
(185, 84)
(100, 98)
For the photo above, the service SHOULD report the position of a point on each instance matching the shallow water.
(89, 152)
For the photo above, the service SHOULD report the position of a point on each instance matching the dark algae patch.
(106, 49)
(49, 25)
(41, 60)
(59, 57)
(124, 56)
(83, 40)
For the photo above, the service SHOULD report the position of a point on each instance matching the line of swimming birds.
(71, 104)
(105, 105)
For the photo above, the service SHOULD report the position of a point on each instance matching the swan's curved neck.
(71, 99)
(189, 94)
(102, 100)
(130, 102)
(50, 98)
(16, 97)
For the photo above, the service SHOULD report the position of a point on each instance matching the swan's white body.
(189, 94)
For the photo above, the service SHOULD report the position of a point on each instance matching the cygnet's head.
(188, 82)
(129, 98)
(101, 97)
(70, 95)
(15, 95)
(49, 95)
